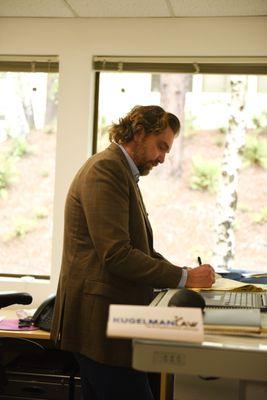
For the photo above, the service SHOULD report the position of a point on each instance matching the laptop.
(232, 299)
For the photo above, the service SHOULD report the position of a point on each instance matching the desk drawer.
(7, 397)
(41, 386)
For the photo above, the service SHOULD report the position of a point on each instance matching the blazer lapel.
(149, 228)
(115, 148)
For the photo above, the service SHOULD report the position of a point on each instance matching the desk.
(37, 334)
(241, 358)
(34, 371)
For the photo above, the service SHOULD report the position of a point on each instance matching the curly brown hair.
(153, 119)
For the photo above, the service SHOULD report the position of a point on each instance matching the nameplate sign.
(163, 323)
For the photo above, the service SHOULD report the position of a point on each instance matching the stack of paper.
(230, 284)
(232, 321)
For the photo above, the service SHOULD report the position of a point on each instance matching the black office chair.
(32, 370)
(9, 298)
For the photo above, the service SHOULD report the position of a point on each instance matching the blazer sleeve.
(105, 198)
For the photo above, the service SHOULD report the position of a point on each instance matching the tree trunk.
(24, 91)
(51, 101)
(173, 88)
(28, 112)
(227, 196)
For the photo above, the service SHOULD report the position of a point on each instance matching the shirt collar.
(131, 163)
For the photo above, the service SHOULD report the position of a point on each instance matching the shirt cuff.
(183, 279)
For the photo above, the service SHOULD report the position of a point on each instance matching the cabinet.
(38, 373)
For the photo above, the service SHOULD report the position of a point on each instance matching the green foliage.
(45, 173)
(261, 216)
(219, 141)
(255, 152)
(244, 208)
(205, 175)
(22, 226)
(220, 136)
(190, 125)
(50, 129)
(41, 212)
(223, 130)
(256, 122)
(53, 87)
(7, 173)
(103, 126)
(260, 120)
(19, 147)
(236, 225)
(103, 137)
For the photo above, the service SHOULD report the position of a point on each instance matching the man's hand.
(200, 277)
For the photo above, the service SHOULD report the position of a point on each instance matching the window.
(216, 83)
(262, 84)
(28, 120)
(181, 196)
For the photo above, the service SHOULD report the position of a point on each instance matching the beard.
(140, 158)
(145, 168)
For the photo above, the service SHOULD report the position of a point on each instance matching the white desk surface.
(256, 343)
(218, 355)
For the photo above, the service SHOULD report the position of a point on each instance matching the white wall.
(77, 40)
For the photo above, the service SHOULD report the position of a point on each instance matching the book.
(232, 321)
(232, 317)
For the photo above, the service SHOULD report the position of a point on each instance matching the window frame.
(256, 66)
(21, 282)
(41, 288)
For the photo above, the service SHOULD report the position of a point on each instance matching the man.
(108, 254)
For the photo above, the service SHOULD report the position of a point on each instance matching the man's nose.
(161, 158)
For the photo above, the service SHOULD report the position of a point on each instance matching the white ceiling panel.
(216, 8)
(120, 8)
(132, 8)
(34, 8)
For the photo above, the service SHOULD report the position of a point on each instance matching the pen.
(199, 261)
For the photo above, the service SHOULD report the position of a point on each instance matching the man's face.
(151, 149)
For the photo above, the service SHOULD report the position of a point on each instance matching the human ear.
(139, 134)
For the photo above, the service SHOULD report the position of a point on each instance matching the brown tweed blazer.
(108, 258)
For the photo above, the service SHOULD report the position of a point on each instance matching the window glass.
(262, 84)
(28, 117)
(181, 195)
(215, 83)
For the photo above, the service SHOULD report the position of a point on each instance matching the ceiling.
(131, 8)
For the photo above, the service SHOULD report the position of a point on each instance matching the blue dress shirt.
(136, 175)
